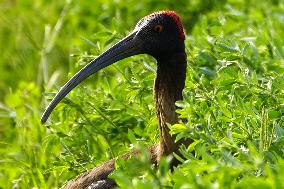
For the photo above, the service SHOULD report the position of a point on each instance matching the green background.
(233, 100)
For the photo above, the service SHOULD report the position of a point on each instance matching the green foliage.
(233, 103)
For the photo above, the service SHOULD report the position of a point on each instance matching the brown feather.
(169, 83)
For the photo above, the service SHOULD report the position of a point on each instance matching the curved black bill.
(127, 47)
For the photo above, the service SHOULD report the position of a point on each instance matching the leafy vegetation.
(233, 101)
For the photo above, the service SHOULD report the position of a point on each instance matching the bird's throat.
(169, 83)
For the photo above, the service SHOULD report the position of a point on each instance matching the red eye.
(158, 28)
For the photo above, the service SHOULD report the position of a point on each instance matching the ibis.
(160, 35)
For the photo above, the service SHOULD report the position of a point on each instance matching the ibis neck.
(169, 83)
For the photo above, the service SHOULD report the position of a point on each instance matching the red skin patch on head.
(176, 19)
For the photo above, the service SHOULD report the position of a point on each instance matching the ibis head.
(159, 34)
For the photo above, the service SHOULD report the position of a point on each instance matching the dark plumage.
(160, 35)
